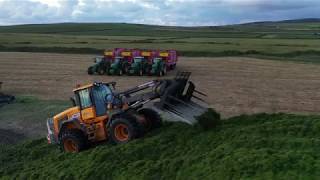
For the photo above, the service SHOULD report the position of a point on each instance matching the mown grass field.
(26, 118)
(294, 40)
(275, 146)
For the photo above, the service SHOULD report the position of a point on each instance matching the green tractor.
(101, 66)
(119, 66)
(139, 66)
(158, 67)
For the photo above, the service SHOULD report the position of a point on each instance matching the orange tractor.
(100, 113)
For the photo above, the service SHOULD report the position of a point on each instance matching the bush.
(208, 120)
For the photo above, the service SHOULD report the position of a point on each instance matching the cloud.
(162, 12)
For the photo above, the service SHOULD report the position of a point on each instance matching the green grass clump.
(276, 146)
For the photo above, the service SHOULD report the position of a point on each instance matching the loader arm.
(175, 97)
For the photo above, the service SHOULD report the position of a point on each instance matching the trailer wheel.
(123, 130)
(151, 118)
(73, 140)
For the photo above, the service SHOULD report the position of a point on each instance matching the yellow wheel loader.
(101, 113)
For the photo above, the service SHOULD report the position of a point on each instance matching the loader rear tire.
(152, 119)
(124, 129)
(73, 140)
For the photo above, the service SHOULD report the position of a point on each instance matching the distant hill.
(259, 39)
(124, 29)
(292, 21)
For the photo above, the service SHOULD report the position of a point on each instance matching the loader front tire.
(124, 129)
(73, 140)
(152, 119)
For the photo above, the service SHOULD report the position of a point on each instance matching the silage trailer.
(170, 57)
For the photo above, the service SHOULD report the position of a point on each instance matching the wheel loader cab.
(92, 100)
(89, 115)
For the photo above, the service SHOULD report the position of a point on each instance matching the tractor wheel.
(101, 71)
(151, 119)
(124, 129)
(73, 140)
(126, 69)
(165, 70)
(120, 72)
(90, 70)
(160, 73)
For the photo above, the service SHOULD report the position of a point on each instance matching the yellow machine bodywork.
(85, 120)
(99, 114)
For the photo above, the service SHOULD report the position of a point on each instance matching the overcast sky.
(160, 12)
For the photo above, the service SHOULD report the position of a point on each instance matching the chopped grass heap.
(257, 146)
(208, 120)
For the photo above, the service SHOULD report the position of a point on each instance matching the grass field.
(276, 146)
(234, 85)
(260, 146)
(293, 40)
(255, 146)
(26, 118)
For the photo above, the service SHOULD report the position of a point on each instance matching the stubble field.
(235, 85)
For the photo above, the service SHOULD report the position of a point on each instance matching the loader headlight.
(50, 137)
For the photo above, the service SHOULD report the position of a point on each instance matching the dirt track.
(234, 85)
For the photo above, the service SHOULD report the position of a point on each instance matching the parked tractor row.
(121, 61)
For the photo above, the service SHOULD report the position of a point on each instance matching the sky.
(157, 12)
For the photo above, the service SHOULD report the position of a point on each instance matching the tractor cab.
(157, 60)
(138, 60)
(97, 59)
(119, 66)
(101, 65)
(138, 66)
(158, 67)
